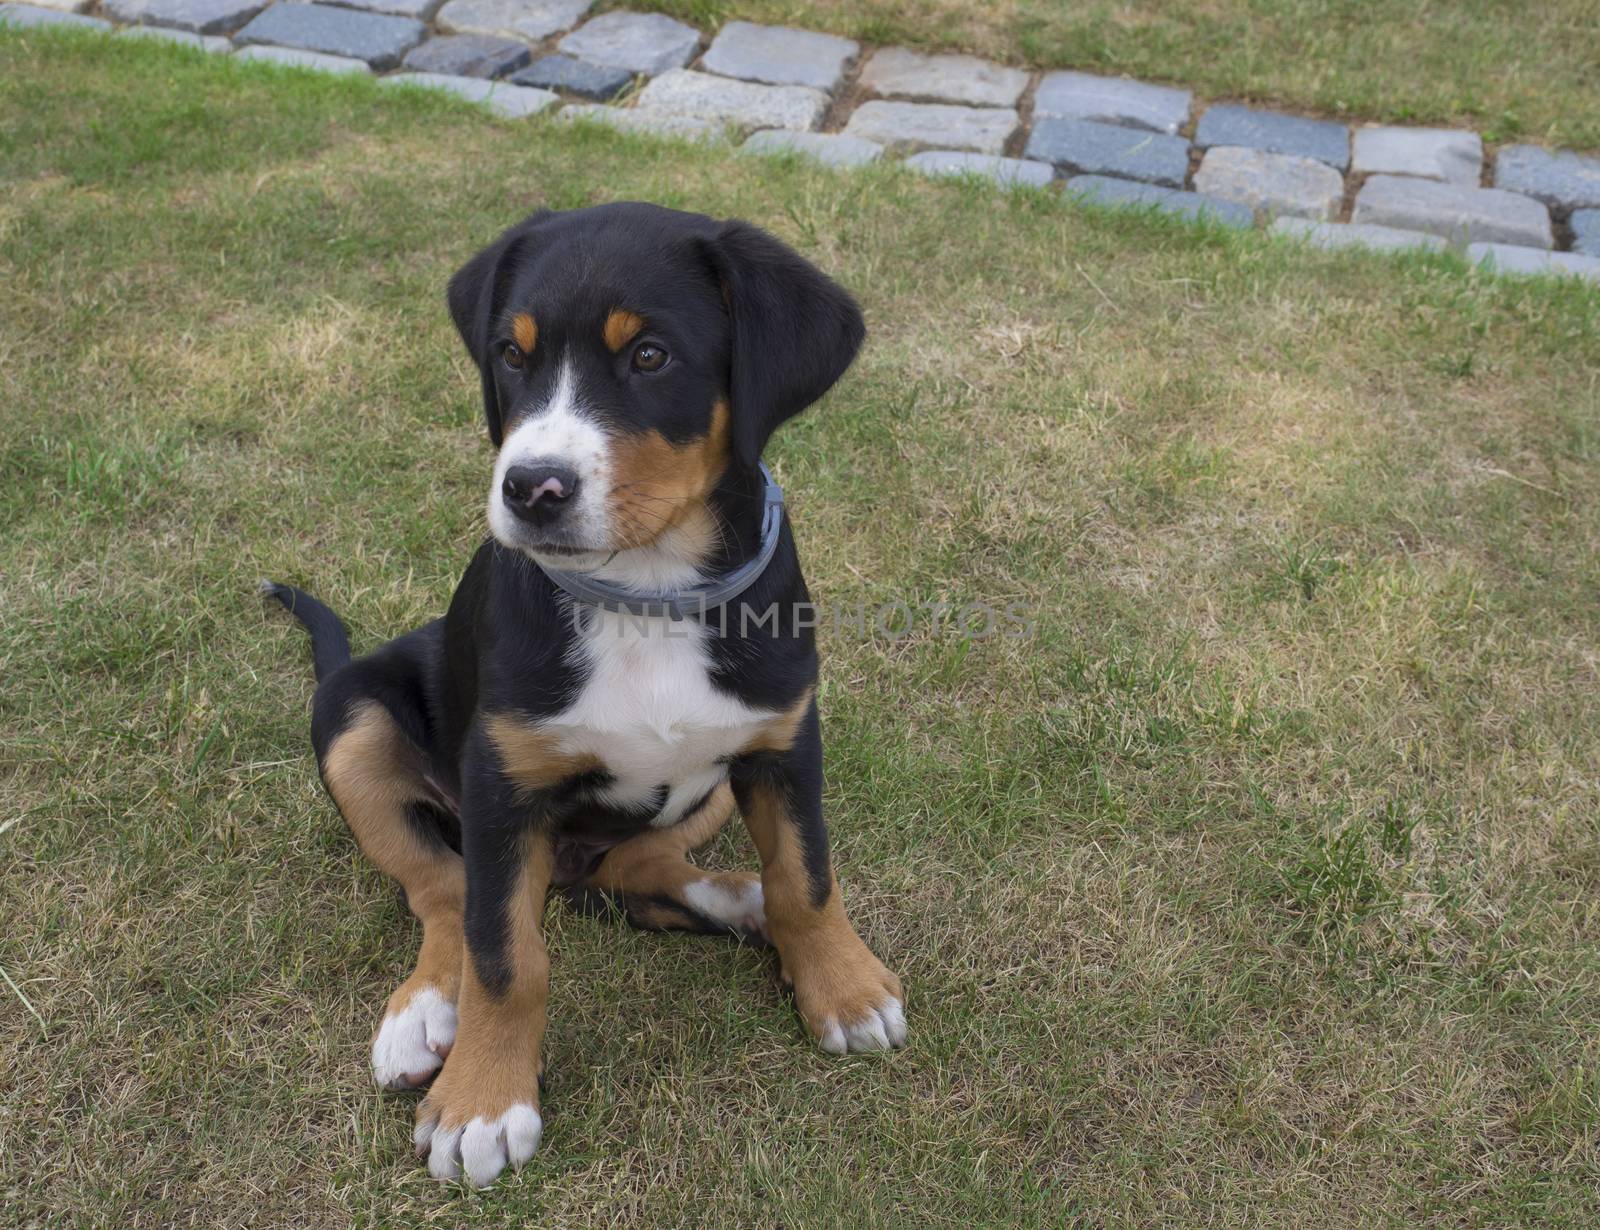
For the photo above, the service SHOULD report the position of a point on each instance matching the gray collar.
(683, 603)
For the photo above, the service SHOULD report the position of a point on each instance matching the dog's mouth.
(568, 556)
(560, 548)
(547, 543)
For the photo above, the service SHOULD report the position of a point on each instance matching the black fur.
(746, 312)
(794, 332)
(746, 320)
(474, 294)
(330, 643)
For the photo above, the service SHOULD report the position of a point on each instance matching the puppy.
(627, 657)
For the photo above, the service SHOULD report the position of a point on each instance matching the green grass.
(1510, 69)
(1256, 889)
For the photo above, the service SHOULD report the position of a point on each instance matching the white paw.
(483, 1147)
(742, 911)
(882, 1028)
(412, 1043)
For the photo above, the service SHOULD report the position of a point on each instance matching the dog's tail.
(330, 643)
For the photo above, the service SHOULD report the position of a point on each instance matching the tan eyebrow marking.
(524, 332)
(622, 326)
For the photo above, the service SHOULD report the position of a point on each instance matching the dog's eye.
(513, 356)
(648, 358)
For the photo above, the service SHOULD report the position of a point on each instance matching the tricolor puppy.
(547, 734)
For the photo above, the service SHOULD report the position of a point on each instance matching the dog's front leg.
(483, 1110)
(848, 999)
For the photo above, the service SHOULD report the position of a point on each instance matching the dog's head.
(630, 357)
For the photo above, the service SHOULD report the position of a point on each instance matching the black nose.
(538, 492)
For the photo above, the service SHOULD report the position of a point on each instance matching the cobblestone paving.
(1516, 209)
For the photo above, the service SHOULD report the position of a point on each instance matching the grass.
(1511, 70)
(1256, 889)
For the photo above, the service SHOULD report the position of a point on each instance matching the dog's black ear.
(795, 331)
(475, 294)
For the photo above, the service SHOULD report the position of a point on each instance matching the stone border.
(1518, 209)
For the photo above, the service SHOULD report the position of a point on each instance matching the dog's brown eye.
(648, 358)
(513, 356)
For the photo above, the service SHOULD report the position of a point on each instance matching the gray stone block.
(198, 16)
(422, 10)
(1105, 191)
(63, 6)
(1111, 100)
(501, 97)
(1556, 177)
(1007, 172)
(1585, 225)
(639, 42)
(574, 77)
(377, 38)
(469, 55)
(778, 55)
(21, 16)
(1276, 183)
(1459, 214)
(533, 20)
(1276, 133)
(743, 104)
(1507, 258)
(903, 126)
(1357, 235)
(643, 123)
(1110, 149)
(896, 72)
(1433, 153)
(832, 149)
(205, 42)
(293, 57)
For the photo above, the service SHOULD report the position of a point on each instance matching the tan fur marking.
(525, 332)
(496, 1059)
(532, 757)
(779, 734)
(835, 976)
(373, 771)
(669, 843)
(621, 327)
(659, 484)
(654, 864)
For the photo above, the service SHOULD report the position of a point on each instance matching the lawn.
(1510, 69)
(1258, 888)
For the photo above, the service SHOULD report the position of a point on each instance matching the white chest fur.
(649, 713)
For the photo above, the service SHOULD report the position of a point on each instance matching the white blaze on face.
(558, 433)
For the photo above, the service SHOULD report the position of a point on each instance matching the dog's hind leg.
(378, 778)
(658, 889)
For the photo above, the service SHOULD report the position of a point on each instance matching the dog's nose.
(538, 492)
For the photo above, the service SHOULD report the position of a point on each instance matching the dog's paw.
(877, 1029)
(480, 1148)
(413, 1040)
(849, 999)
(731, 900)
(480, 1117)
